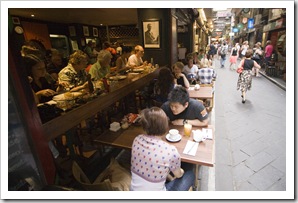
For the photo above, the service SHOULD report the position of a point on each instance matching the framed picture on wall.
(74, 45)
(72, 31)
(95, 32)
(151, 33)
(86, 30)
(16, 20)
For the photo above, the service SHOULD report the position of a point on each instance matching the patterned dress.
(245, 78)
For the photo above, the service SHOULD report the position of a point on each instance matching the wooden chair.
(209, 103)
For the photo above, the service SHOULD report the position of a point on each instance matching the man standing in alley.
(268, 51)
(223, 52)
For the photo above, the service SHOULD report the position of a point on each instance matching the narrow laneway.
(250, 137)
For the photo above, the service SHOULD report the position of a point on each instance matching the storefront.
(275, 31)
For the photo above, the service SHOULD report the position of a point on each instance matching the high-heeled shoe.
(243, 100)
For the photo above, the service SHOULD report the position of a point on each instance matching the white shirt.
(133, 60)
(194, 70)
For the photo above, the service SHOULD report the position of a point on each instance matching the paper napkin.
(208, 133)
(191, 148)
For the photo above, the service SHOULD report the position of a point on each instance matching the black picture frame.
(72, 31)
(86, 31)
(151, 36)
(16, 20)
(95, 32)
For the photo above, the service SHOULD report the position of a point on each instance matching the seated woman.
(36, 70)
(101, 68)
(74, 77)
(164, 84)
(55, 63)
(149, 169)
(190, 69)
(122, 59)
(205, 62)
(179, 76)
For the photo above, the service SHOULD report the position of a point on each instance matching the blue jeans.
(183, 183)
(222, 60)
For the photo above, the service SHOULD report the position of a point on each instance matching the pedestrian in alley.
(268, 51)
(223, 54)
(245, 77)
(243, 49)
(257, 57)
(233, 57)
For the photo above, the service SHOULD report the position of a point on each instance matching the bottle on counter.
(90, 84)
(105, 84)
(152, 62)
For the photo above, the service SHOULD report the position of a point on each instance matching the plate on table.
(62, 96)
(119, 77)
(171, 140)
(138, 70)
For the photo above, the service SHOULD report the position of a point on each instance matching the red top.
(268, 50)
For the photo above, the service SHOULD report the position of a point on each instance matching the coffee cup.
(197, 87)
(198, 135)
(174, 134)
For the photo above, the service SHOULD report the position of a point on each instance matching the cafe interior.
(73, 145)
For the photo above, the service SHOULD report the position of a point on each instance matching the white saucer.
(171, 140)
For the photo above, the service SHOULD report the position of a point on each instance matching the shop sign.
(223, 14)
(250, 23)
(279, 23)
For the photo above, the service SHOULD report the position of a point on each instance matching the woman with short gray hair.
(101, 68)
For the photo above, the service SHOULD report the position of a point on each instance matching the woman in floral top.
(74, 76)
(153, 159)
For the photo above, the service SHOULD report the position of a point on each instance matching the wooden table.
(61, 124)
(124, 139)
(202, 93)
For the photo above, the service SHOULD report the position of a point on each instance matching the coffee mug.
(198, 135)
(174, 134)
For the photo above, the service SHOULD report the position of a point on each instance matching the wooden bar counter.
(61, 124)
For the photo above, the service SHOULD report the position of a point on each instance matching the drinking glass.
(187, 129)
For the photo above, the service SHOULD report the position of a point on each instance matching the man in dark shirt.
(180, 108)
